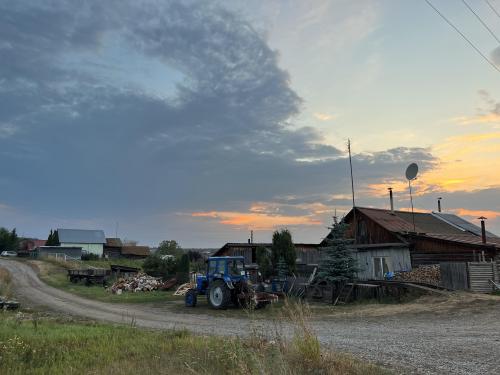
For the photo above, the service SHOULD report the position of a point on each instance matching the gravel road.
(457, 343)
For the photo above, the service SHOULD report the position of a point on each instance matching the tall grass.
(5, 283)
(39, 346)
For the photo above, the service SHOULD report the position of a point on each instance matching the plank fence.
(473, 276)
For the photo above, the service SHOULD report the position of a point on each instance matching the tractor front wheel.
(219, 295)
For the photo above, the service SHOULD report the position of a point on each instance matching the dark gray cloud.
(78, 145)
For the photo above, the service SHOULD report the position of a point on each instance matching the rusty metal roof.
(135, 250)
(114, 242)
(402, 221)
(468, 238)
(428, 225)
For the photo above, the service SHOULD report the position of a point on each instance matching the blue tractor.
(227, 282)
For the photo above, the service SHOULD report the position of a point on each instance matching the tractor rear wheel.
(191, 298)
(219, 295)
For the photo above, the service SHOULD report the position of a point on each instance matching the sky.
(200, 121)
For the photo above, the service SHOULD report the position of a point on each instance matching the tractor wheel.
(219, 295)
(191, 298)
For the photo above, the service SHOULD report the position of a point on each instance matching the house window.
(380, 267)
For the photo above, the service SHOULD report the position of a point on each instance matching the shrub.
(90, 256)
(155, 266)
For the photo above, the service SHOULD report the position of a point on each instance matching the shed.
(136, 252)
(70, 251)
(112, 248)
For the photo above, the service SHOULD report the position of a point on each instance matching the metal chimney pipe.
(483, 229)
(439, 204)
(391, 199)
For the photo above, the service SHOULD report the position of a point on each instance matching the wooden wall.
(369, 232)
(398, 259)
(430, 251)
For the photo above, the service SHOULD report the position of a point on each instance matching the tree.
(155, 266)
(194, 256)
(338, 263)
(169, 247)
(53, 239)
(283, 247)
(50, 238)
(282, 268)
(264, 262)
(8, 239)
(56, 238)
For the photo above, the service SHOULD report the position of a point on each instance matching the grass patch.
(55, 274)
(101, 263)
(41, 346)
(5, 283)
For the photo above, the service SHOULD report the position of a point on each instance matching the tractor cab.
(228, 269)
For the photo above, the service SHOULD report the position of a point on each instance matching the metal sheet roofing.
(81, 236)
(402, 221)
(135, 250)
(467, 238)
(461, 223)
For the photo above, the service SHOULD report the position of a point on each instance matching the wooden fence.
(454, 275)
(473, 276)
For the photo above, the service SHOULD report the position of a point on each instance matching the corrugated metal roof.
(464, 224)
(387, 219)
(135, 250)
(467, 238)
(114, 242)
(81, 236)
(402, 221)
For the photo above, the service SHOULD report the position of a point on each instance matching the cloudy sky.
(199, 121)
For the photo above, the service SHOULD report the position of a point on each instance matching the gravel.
(466, 342)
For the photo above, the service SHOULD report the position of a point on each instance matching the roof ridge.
(395, 211)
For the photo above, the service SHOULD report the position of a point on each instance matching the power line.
(492, 8)
(481, 20)
(463, 36)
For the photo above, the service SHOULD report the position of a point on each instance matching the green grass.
(42, 346)
(137, 263)
(102, 263)
(97, 292)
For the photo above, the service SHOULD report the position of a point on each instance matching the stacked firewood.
(141, 283)
(422, 274)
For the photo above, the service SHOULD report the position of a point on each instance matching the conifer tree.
(283, 247)
(282, 268)
(50, 239)
(56, 238)
(338, 263)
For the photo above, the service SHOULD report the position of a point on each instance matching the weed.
(91, 348)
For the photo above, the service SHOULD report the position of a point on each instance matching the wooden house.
(431, 238)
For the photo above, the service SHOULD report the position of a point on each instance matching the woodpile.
(141, 283)
(422, 274)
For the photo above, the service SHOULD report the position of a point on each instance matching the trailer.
(91, 276)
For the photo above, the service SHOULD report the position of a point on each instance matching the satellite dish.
(411, 171)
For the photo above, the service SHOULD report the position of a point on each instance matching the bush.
(90, 256)
(155, 266)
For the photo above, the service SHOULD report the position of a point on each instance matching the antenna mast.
(352, 190)
(411, 174)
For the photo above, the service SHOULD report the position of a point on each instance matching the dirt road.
(458, 343)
